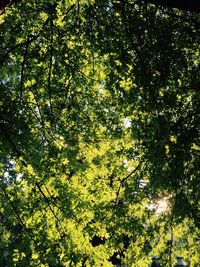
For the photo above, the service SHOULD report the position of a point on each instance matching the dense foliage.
(99, 133)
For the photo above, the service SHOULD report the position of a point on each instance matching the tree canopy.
(99, 133)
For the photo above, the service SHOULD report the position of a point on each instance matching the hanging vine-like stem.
(171, 240)
(50, 63)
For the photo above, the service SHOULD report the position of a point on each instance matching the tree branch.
(49, 205)
(31, 39)
(124, 179)
(50, 63)
(5, 4)
(19, 218)
(22, 69)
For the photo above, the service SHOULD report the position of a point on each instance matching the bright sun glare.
(160, 206)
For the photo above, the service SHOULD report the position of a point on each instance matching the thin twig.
(49, 205)
(124, 179)
(31, 39)
(171, 239)
(8, 138)
(22, 69)
(20, 219)
(50, 64)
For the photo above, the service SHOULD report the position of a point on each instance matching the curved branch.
(124, 179)
(31, 39)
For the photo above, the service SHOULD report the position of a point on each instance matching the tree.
(99, 112)
(188, 6)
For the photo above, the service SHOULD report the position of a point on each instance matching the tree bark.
(189, 5)
(4, 4)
